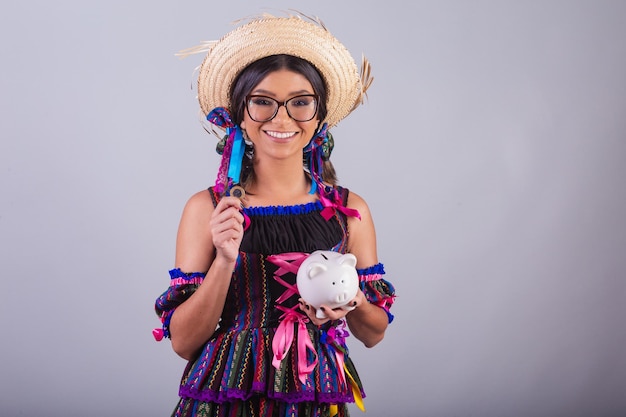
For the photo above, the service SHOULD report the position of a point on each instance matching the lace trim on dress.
(283, 210)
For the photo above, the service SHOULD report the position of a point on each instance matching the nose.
(281, 113)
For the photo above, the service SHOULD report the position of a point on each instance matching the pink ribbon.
(181, 281)
(158, 334)
(287, 262)
(331, 206)
(284, 337)
(246, 221)
(340, 366)
(370, 277)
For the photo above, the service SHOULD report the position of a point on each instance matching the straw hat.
(268, 35)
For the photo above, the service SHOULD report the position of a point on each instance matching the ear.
(348, 259)
(316, 269)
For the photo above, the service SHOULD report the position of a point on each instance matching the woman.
(254, 347)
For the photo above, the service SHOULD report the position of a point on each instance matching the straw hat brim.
(292, 35)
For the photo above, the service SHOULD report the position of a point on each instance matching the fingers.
(358, 300)
(329, 313)
(227, 226)
(334, 313)
(228, 221)
(227, 214)
(226, 204)
(310, 311)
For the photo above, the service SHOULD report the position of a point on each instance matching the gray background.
(491, 152)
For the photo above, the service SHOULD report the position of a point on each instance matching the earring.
(245, 138)
(219, 148)
(249, 151)
(327, 146)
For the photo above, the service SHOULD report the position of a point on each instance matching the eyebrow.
(269, 93)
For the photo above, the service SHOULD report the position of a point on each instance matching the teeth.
(280, 135)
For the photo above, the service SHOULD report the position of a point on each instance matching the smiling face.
(281, 137)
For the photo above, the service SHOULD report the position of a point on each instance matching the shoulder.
(361, 232)
(200, 204)
(194, 245)
(355, 201)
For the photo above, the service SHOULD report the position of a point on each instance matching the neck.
(280, 184)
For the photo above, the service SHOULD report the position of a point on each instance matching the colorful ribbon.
(335, 337)
(182, 281)
(160, 333)
(236, 156)
(332, 204)
(313, 155)
(283, 338)
(157, 334)
(289, 263)
(232, 156)
(356, 392)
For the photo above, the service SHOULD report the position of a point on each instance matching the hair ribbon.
(313, 154)
(230, 166)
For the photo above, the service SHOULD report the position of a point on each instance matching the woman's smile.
(280, 136)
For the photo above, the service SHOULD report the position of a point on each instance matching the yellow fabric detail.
(356, 392)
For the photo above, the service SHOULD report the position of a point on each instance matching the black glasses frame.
(284, 103)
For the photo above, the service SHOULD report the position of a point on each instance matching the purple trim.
(291, 397)
(258, 386)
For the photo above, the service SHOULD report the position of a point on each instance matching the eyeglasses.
(300, 108)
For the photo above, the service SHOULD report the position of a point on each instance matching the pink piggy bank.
(328, 278)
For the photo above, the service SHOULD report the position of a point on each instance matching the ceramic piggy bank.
(328, 278)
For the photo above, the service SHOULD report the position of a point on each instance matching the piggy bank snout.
(342, 297)
(341, 290)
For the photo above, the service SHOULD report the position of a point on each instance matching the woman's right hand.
(227, 228)
(208, 240)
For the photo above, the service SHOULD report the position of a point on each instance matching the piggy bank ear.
(316, 269)
(348, 259)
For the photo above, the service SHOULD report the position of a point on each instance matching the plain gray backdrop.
(491, 151)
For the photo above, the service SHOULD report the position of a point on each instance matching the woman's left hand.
(332, 313)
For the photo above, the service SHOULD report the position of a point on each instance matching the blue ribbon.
(236, 156)
(220, 116)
